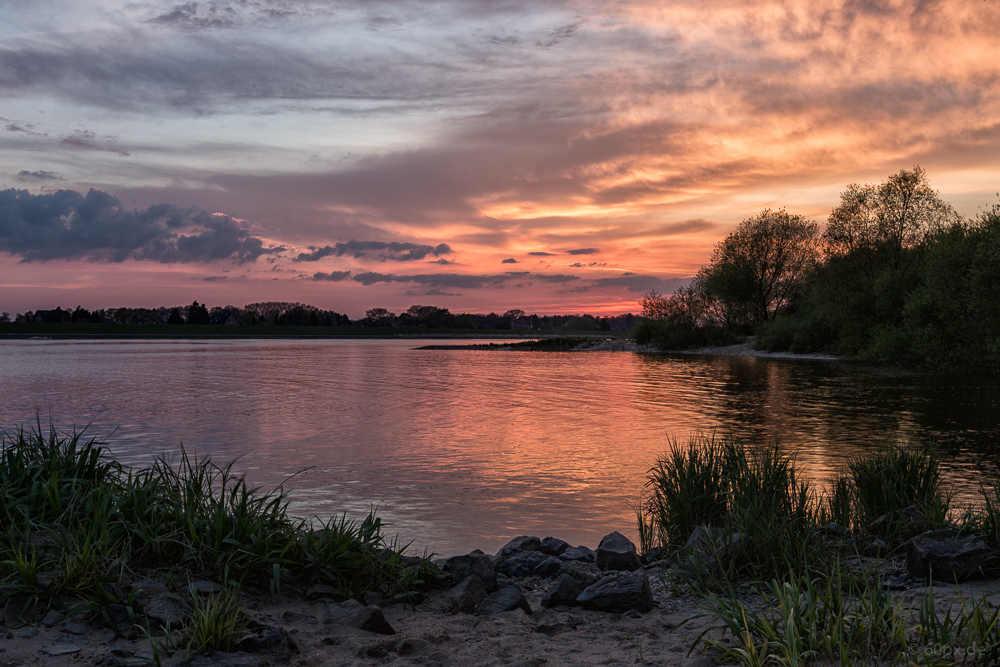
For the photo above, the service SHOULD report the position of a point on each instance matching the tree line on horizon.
(896, 276)
(282, 313)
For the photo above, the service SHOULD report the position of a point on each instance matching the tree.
(380, 317)
(175, 317)
(875, 224)
(197, 314)
(756, 270)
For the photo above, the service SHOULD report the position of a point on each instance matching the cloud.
(87, 140)
(443, 261)
(214, 279)
(639, 284)
(68, 225)
(333, 276)
(581, 265)
(23, 128)
(459, 281)
(39, 175)
(583, 251)
(395, 251)
(542, 254)
(554, 277)
(509, 260)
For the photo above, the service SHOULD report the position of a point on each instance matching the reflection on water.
(462, 448)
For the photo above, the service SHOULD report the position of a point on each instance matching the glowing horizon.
(569, 155)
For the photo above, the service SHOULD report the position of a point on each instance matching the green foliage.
(894, 476)
(69, 511)
(217, 622)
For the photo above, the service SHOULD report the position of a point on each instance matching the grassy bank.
(75, 524)
(812, 560)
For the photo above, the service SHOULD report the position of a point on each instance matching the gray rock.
(75, 627)
(474, 563)
(557, 623)
(947, 555)
(585, 573)
(371, 619)
(263, 639)
(205, 588)
(297, 617)
(467, 595)
(505, 599)
(521, 564)
(18, 611)
(618, 594)
(704, 539)
(119, 618)
(164, 609)
(581, 554)
(517, 545)
(59, 649)
(906, 523)
(548, 568)
(26, 633)
(340, 613)
(616, 552)
(322, 592)
(551, 546)
(564, 592)
(52, 618)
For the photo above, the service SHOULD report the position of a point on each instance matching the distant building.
(521, 322)
(57, 315)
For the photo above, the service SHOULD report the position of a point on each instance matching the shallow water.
(462, 449)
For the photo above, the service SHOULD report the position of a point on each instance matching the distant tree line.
(895, 277)
(282, 313)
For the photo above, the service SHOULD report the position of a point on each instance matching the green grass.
(75, 522)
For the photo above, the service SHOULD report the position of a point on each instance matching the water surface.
(465, 448)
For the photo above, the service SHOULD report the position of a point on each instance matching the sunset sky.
(558, 157)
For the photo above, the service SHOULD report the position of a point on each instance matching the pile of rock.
(610, 579)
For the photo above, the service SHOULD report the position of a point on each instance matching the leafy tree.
(756, 270)
(381, 317)
(197, 314)
(175, 317)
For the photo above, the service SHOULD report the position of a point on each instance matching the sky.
(478, 155)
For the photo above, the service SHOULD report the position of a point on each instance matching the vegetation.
(74, 522)
(786, 591)
(897, 277)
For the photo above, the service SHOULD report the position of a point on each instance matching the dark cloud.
(187, 16)
(581, 265)
(68, 225)
(395, 251)
(554, 277)
(443, 261)
(542, 254)
(39, 175)
(583, 251)
(23, 128)
(87, 140)
(509, 260)
(459, 281)
(214, 279)
(333, 276)
(639, 283)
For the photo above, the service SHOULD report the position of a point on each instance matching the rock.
(906, 523)
(564, 592)
(474, 563)
(947, 555)
(616, 552)
(164, 609)
(340, 613)
(204, 588)
(548, 568)
(53, 617)
(505, 599)
(322, 592)
(628, 590)
(655, 555)
(119, 619)
(704, 539)
(18, 611)
(551, 546)
(521, 564)
(585, 573)
(581, 554)
(45, 579)
(75, 627)
(518, 545)
(26, 633)
(371, 619)
(263, 639)
(467, 595)
(372, 598)
(59, 649)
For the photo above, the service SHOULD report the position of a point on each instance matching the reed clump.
(785, 583)
(73, 521)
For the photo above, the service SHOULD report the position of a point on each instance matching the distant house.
(521, 322)
(57, 315)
